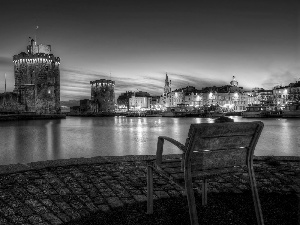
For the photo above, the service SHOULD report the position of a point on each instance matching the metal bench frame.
(211, 149)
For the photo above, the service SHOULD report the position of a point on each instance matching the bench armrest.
(160, 146)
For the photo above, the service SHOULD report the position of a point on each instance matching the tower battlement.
(35, 58)
(102, 82)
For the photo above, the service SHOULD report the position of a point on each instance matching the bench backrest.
(219, 145)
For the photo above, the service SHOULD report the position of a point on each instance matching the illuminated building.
(102, 96)
(37, 81)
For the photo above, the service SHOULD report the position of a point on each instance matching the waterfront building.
(286, 94)
(102, 96)
(294, 92)
(194, 99)
(123, 101)
(85, 106)
(155, 103)
(176, 98)
(37, 82)
(140, 101)
(229, 97)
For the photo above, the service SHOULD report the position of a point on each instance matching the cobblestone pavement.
(61, 193)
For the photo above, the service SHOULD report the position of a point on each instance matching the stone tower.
(103, 95)
(37, 79)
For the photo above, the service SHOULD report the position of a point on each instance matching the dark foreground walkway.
(90, 191)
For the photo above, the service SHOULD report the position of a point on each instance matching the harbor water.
(39, 140)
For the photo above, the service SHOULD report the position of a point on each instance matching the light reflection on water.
(27, 141)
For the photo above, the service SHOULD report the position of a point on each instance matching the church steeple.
(167, 88)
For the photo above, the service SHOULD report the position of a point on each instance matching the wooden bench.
(210, 149)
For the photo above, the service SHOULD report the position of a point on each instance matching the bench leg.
(191, 202)
(149, 190)
(204, 192)
(258, 212)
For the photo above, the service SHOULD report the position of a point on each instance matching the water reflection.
(27, 141)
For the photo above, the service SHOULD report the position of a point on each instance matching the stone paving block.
(68, 198)
(83, 212)
(229, 185)
(46, 202)
(214, 190)
(63, 205)
(40, 210)
(32, 202)
(123, 194)
(14, 203)
(127, 200)
(55, 198)
(6, 211)
(135, 192)
(243, 187)
(35, 219)
(86, 185)
(53, 220)
(140, 198)
(33, 189)
(173, 193)
(40, 195)
(100, 185)
(91, 207)
(84, 198)
(50, 191)
(63, 191)
(99, 200)
(25, 211)
(72, 214)
(3, 221)
(93, 193)
(76, 205)
(17, 219)
(65, 218)
(103, 208)
(107, 192)
(21, 179)
(77, 190)
(236, 190)
(20, 192)
(43, 223)
(295, 188)
(162, 194)
(114, 202)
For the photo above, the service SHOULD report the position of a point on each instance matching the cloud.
(75, 84)
(183, 80)
(281, 78)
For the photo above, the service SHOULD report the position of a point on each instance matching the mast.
(5, 84)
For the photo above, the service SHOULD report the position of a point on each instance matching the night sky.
(135, 43)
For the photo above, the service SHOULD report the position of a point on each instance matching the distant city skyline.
(135, 43)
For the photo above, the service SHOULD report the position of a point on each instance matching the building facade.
(140, 101)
